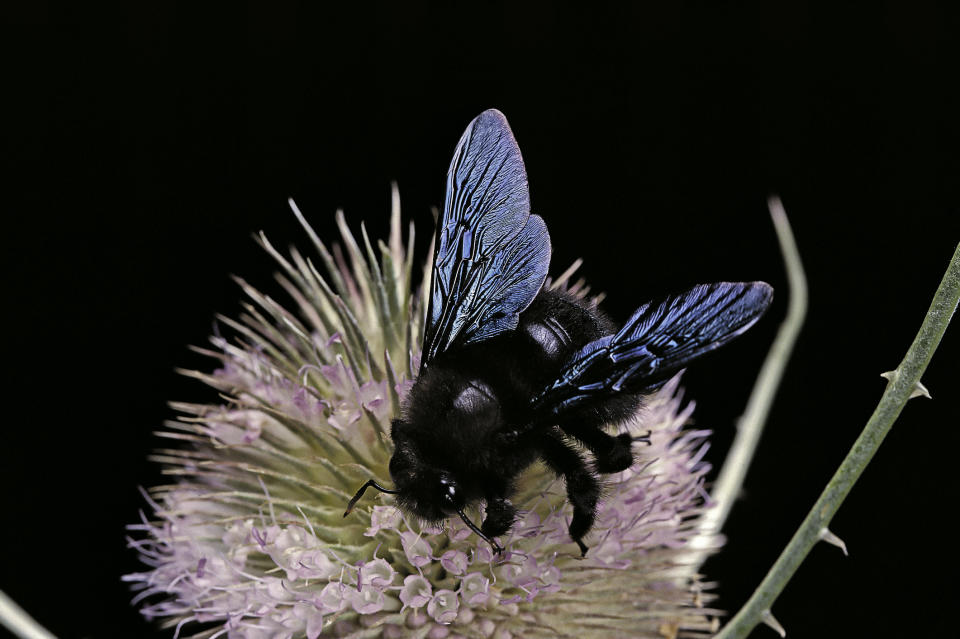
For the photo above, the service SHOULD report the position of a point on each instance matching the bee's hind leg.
(583, 489)
(612, 453)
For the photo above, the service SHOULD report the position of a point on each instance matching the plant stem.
(19, 622)
(730, 480)
(902, 383)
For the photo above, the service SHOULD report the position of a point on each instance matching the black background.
(147, 144)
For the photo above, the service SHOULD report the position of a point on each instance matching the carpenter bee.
(513, 371)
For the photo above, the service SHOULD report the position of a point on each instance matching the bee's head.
(432, 497)
(423, 488)
(430, 493)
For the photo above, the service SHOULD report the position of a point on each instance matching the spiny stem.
(735, 466)
(898, 391)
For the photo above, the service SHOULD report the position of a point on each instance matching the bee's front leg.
(499, 517)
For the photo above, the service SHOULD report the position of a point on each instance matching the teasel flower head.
(249, 538)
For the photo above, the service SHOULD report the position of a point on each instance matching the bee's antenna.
(497, 548)
(370, 483)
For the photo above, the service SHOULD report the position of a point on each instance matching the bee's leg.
(583, 489)
(499, 516)
(613, 453)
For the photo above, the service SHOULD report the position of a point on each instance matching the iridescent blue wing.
(491, 255)
(658, 340)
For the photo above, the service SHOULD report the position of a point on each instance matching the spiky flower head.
(249, 538)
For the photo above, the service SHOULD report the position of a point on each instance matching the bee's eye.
(448, 491)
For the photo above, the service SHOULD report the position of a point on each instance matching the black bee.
(512, 371)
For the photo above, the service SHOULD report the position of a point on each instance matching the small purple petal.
(311, 618)
(331, 598)
(416, 548)
(528, 525)
(483, 554)
(549, 576)
(520, 571)
(438, 632)
(416, 620)
(459, 532)
(416, 592)
(475, 589)
(377, 573)
(454, 561)
(368, 601)
(383, 518)
(443, 607)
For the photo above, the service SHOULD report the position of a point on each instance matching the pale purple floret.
(417, 591)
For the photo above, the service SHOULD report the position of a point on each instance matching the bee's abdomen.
(551, 336)
(559, 324)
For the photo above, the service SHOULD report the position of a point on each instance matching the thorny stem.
(750, 426)
(902, 383)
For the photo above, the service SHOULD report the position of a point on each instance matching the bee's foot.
(583, 547)
(617, 457)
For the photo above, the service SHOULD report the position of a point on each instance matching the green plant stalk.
(899, 388)
(729, 481)
(17, 621)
